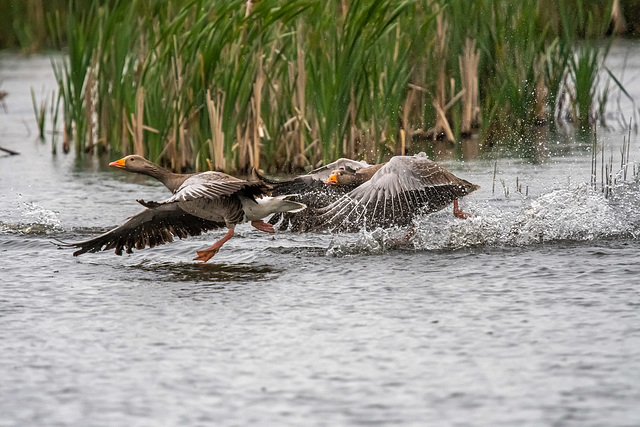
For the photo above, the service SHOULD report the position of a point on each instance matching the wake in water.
(572, 214)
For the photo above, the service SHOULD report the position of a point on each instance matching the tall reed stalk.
(280, 85)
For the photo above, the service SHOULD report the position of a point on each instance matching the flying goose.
(200, 202)
(383, 195)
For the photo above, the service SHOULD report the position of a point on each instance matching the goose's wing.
(215, 185)
(404, 186)
(315, 194)
(312, 190)
(150, 227)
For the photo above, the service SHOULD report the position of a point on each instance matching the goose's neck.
(170, 180)
(363, 175)
(359, 178)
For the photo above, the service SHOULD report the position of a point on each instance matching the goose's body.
(382, 195)
(207, 195)
(200, 202)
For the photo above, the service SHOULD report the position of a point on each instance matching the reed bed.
(284, 86)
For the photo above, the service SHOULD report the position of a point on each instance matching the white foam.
(35, 220)
(576, 213)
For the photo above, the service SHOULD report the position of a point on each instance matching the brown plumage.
(383, 195)
(200, 202)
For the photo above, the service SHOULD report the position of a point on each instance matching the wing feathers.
(216, 185)
(150, 227)
(404, 186)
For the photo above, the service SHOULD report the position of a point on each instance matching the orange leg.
(263, 226)
(206, 254)
(459, 213)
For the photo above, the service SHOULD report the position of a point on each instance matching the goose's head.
(133, 163)
(343, 177)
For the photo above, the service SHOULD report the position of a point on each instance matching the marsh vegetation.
(284, 86)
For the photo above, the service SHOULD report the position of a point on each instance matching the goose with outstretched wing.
(200, 202)
(355, 195)
(391, 194)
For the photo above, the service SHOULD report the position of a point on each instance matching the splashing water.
(38, 220)
(572, 214)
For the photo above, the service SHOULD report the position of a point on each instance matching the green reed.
(40, 111)
(198, 84)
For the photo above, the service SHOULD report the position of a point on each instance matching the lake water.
(527, 314)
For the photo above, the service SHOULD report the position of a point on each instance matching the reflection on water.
(302, 252)
(212, 273)
(470, 148)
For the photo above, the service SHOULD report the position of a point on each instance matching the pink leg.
(207, 254)
(459, 213)
(263, 226)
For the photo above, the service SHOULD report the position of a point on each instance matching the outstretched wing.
(312, 190)
(314, 193)
(150, 227)
(315, 196)
(404, 186)
(215, 185)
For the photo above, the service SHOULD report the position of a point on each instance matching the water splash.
(37, 220)
(577, 213)
(366, 242)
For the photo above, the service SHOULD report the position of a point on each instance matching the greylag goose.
(200, 202)
(383, 195)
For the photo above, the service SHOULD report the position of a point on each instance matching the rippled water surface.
(526, 314)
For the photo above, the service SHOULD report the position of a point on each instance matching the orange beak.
(333, 179)
(118, 163)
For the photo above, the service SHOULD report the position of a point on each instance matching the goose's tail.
(255, 209)
(282, 204)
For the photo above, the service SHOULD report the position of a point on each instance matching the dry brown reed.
(469, 62)
(299, 104)
(137, 124)
(216, 143)
(442, 125)
(89, 95)
(542, 92)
